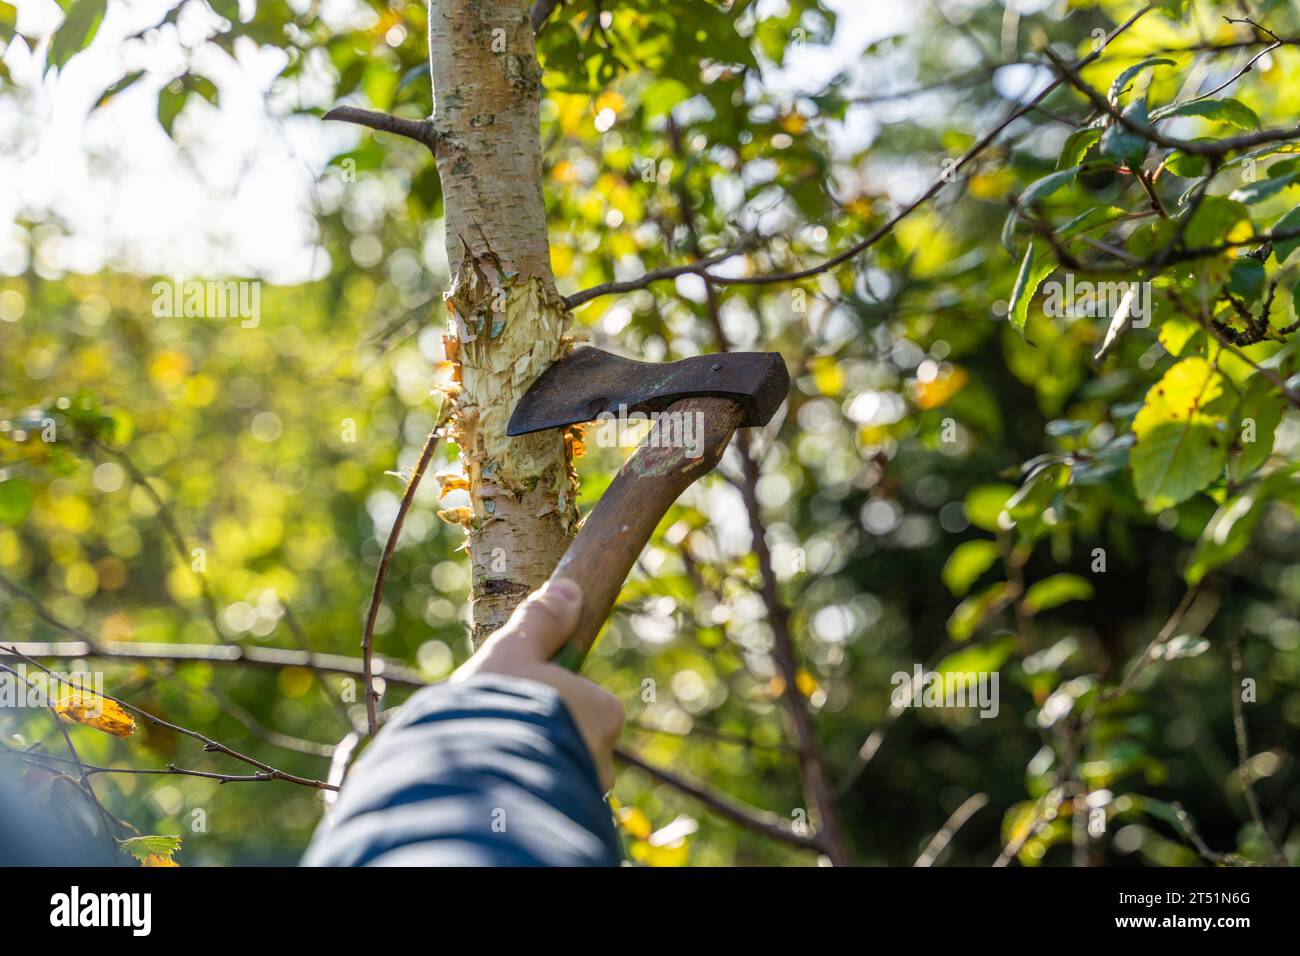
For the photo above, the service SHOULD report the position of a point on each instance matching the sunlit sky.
(236, 197)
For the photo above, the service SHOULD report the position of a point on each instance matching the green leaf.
(1034, 268)
(1122, 145)
(1076, 144)
(8, 21)
(1213, 220)
(1181, 435)
(143, 847)
(226, 8)
(1246, 278)
(1127, 75)
(985, 503)
(1226, 534)
(1288, 223)
(1186, 165)
(1056, 590)
(1258, 416)
(76, 31)
(982, 658)
(1233, 112)
(117, 87)
(171, 100)
(1262, 189)
(970, 613)
(968, 561)
(1039, 189)
(16, 496)
(204, 87)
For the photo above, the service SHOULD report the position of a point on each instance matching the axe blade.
(589, 381)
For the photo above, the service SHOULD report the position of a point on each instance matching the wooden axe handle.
(618, 527)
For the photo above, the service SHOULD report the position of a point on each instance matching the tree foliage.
(1043, 425)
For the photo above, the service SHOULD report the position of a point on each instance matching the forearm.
(488, 772)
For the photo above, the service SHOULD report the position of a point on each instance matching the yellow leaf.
(86, 707)
(156, 859)
(939, 389)
(564, 172)
(675, 854)
(826, 375)
(793, 123)
(634, 822)
(806, 683)
(610, 101)
(169, 367)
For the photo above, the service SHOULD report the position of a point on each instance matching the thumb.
(546, 619)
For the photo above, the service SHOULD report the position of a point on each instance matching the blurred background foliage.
(938, 490)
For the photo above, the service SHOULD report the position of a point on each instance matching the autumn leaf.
(636, 823)
(86, 707)
(937, 391)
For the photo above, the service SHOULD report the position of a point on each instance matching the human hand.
(524, 647)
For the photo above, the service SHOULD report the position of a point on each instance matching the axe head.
(588, 381)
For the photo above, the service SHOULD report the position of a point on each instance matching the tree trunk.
(506, 319)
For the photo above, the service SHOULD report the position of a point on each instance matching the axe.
(702, 400)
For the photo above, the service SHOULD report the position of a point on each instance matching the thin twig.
(258, 657)
(1209, 148)
(1243, 753)
(421, 131)
(1203, 848)
(877, 234)
(67, 740)
(377, 592)
(760, 821)
(655, 275)
(970, 806)
(208, 743)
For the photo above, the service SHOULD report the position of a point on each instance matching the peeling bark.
(507, 322)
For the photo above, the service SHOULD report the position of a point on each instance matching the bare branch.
(259, 657)
(1243, 754)
(377, 593)
(760, 821)
(421, 131)
(1151, 653)
(631, 285)
(82, 771)
(208, 743)
(169, 770)
(1203, 848)
(970, 806)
